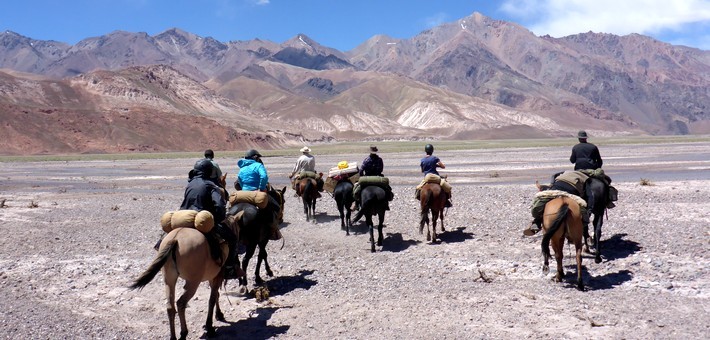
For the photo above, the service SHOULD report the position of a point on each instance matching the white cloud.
(262, 2)
(565, 17)
(435, 20)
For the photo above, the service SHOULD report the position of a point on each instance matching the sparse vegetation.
(645, 182)
(494, 174)
(33, 204)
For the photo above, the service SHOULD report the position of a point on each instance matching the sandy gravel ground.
(75, 234)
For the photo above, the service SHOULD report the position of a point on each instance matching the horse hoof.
(243, 290)
(580, 287)
(210, 332)
(545, 270)
(597, 259)
(220, 317)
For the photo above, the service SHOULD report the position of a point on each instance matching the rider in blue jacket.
(252, 174)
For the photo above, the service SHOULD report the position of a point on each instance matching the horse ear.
(537, 184)
(283, 190)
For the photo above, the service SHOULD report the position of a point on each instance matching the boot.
(157, 244)
(231, 270)
(533, 229)
(448, 203)
(275, 233)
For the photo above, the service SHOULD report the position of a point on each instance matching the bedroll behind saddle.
(257, 198)
(200, 220)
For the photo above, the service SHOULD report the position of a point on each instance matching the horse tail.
(561, 215)
(155, 267)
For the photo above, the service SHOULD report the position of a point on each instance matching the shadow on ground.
(616, 247)
(254, 327)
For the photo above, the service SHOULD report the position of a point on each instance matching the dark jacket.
(203, 194)
(586, 156)
(372, 166)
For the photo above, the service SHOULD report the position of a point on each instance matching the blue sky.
(343, 24)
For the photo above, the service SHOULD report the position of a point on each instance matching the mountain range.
(475, 78)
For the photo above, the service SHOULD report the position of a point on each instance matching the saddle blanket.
(200, 220)
(550, 194)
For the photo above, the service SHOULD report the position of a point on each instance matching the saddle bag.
(200, 220)
(351, 168)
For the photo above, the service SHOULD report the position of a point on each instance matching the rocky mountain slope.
(473, 78)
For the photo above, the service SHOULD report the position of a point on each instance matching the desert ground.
(76, 233)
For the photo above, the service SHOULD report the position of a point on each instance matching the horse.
(255, 230)
(562, 219)
(597, 198)
(343, 195)
(374, 202)
(431, 198)
(185, 253)
(307, 189)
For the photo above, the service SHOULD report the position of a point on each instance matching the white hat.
(305, 149)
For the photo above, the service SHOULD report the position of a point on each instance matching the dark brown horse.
(307, 189)
(343, 195)
(431, 198)
(255, 231)
(562, 219)
(374, 202)
(185, 253)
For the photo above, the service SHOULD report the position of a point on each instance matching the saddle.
(600, 175)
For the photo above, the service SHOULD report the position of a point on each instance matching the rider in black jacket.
(585, 155)
(202, 193)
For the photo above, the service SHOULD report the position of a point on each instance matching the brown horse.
(562, 219)
(431, 198)
(185, 253)
(307, 189)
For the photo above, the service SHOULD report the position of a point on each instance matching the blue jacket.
(252, 175)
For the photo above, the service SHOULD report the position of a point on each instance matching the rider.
(203, 194)
(304, 163)
(372, 165)
(587, 159)
(585, 155)
(216, 174)
(253, 177)
(571, 182)
(428, 165)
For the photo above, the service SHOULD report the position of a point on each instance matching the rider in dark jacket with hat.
(585, 156)
(202, 193)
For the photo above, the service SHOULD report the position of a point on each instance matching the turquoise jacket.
(252, 175)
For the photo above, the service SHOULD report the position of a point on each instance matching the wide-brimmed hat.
(373, 149)
(582, 134)
(305, 149)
